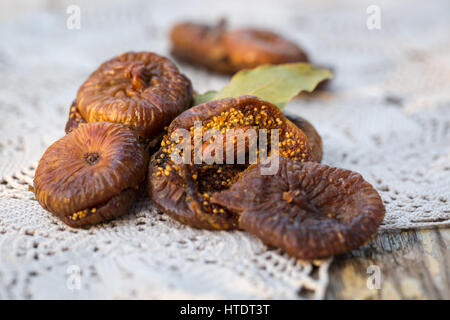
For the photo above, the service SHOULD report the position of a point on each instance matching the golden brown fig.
(183, 191)
(309, 210)
(202, 45)
(314, 139)
(76, 120)
(91, 174)
(224, 51)
(141, 90)
(249, 48)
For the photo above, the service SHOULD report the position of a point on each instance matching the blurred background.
(334, 34)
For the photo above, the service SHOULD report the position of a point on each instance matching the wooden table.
(413, 265)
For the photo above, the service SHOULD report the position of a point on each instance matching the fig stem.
(139, 76)
(299, 200)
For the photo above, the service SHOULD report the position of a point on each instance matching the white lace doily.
(387, 116)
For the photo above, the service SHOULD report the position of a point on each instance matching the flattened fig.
(91, 174)
(309, 210)
(184, 191)
(141, 90)
(228, 51)
(249, 48)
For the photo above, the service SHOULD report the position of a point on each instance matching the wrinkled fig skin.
(224, 51)
(177, 194)
(139, 89)
(309, 210)
(115, 207)
(92, 173)
(314, 139)
(171, 195)
(75, 118)
(249, 48)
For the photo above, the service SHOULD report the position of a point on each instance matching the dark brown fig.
(141, 90)
(91, 174)
(202, 45)
(184, 191)
(309, 210)
(249, 48)
(314, 139)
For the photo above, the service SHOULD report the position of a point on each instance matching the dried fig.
(314, 139)
(141, 90)
(91, 174)
(75, 120)
(202, 45)
(249, 48)
(307, 209)
(183, 191)
(224, 51)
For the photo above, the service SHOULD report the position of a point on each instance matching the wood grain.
(414, 265)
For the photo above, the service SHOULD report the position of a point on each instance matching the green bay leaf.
(204, 97)
(274, 83)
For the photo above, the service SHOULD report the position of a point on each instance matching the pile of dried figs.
(124, 129)
(92, 173)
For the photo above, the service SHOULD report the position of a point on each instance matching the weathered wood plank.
(412, 264)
